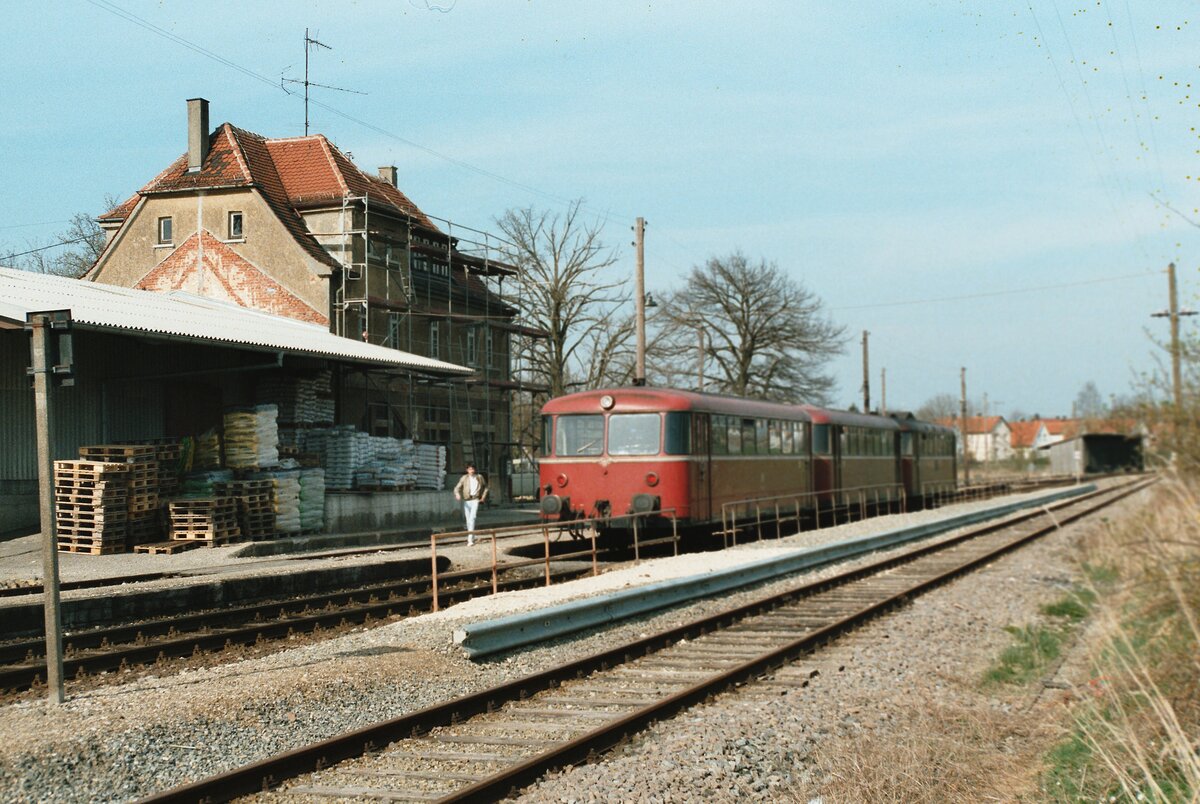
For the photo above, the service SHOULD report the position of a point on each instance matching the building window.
(489, 346)
(393, 338)
(235, 226)
(434, 340)
(472, 350)
(164, 230)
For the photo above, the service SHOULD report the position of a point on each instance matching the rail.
(591, 527)
(862, 496)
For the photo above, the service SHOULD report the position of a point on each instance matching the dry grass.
(1141, 722)
(937, 754)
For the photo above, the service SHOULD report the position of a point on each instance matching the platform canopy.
(184, 316)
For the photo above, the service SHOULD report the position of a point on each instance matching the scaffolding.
(436, 290)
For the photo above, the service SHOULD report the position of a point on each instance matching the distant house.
(988, 438)
(1060, 429)
(1028, 436)
(293, 227)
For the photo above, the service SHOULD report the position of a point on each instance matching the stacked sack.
(202, 484)
(431, 466)
(345, 452)
(312, 499)
(285, 498)
(207, 453)
(252, 437)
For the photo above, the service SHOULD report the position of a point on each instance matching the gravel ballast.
(122, 741)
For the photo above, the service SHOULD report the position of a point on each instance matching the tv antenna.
(311, 44)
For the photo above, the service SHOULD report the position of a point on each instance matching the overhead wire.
(991, 294)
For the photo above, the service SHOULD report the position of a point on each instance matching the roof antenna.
(310, 44)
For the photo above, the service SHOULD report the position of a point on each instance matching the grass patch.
(1034, 648)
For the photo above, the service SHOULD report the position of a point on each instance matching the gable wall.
(266, 243)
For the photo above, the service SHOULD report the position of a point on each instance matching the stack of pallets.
(91, 506)
(142, 481)
(213, 520)
(255, 501)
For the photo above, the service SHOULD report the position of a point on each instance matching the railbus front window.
(547, 435)
(821, 439)
(579, 435)
(679, 426)
(634, 434)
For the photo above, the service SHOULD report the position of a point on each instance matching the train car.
(612, 452)
(928, 458)
(855, 458)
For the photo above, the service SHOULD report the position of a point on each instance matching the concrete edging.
(494, 636)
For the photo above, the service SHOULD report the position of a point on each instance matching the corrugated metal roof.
(186, 315)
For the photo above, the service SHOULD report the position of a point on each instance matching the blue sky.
(974, 183)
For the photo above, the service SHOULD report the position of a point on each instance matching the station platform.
(97, 589)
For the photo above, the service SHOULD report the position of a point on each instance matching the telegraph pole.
(966, 452)
(883, 392)
(1174, 313)
(639, 294)
(866, 375)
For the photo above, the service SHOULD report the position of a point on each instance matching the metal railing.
(860, 497)
(588, 526)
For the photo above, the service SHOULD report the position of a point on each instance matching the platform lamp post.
(51, 364)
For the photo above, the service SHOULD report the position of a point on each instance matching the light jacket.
(464, 483)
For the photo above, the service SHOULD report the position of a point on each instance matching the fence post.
(433, 555)
(758, 520)
(495, 587)
(637, 556)
(546, 534)
(595, 561)
(675, 532)
(778, 524)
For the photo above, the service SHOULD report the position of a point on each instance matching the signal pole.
(639, 297)
(866, 375)
(966, 452)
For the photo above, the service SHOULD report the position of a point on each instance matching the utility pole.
(1174, 313)
(639, 294)
(866, 375)
(883, 392)
(966, 452)
(43, 367)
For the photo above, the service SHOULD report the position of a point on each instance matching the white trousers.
(470, 509)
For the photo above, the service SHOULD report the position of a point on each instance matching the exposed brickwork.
(227, 276)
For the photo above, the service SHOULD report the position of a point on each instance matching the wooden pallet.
(169, 547)
(91, 546)
(123, 453)
(89, 468)
(217, 536)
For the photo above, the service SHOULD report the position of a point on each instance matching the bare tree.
(568, 293)
(70, 252)
(765, 334)
(940, 408)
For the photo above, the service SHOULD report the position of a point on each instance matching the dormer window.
(164, 231)
(235, 226)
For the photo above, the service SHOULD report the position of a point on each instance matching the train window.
(720, 436)
(579, 434)
(547, 435)
(762, 436)
(798, 429)
(734, 430)
(679, 427)
(775, 436)
(821, 439)
(787, 443)
(749, 442)
(634, 433)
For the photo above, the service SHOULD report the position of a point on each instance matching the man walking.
(471, 490)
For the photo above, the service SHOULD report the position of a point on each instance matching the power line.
(45, 248)
(149, 26)
(994, 293)
(27, 225)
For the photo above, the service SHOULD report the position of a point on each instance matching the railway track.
(22, 662)
(484, 746)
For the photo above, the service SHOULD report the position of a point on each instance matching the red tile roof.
(291, 173)
(1061, 427)
(1024, 433)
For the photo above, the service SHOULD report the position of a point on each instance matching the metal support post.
(434, 573)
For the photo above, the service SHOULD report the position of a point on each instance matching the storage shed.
(1096, 453)
(149, 365)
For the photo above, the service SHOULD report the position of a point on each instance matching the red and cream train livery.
(638, 450)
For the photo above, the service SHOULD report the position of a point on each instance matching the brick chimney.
(197, 133)
(388, 174)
